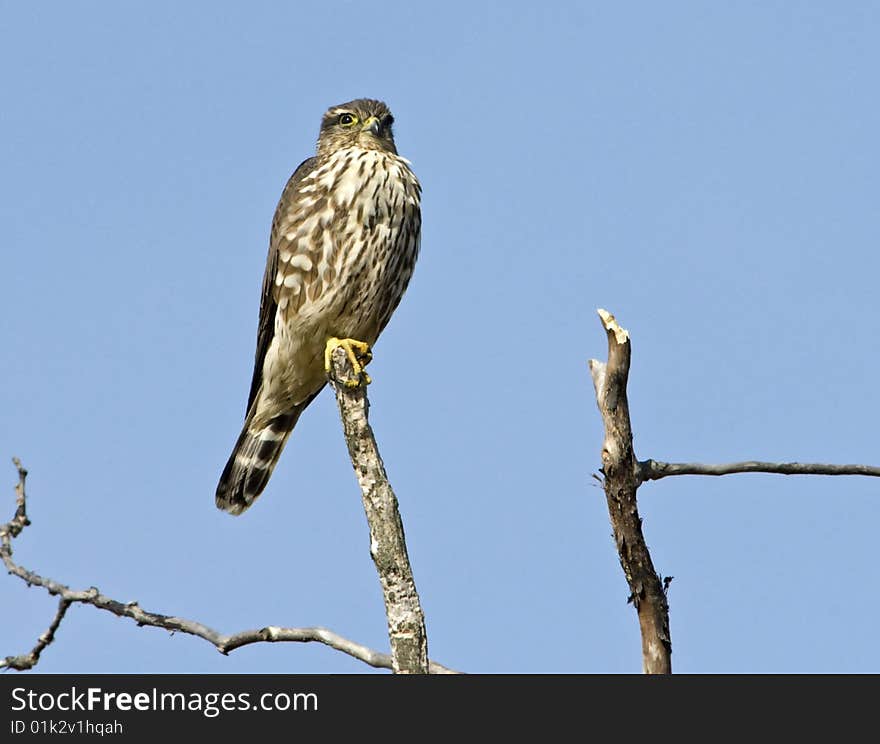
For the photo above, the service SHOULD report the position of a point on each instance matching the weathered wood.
(406, 620)
(225, 644)
(655, 470)
(622, 479)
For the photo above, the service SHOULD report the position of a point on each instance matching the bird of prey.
(343, 245)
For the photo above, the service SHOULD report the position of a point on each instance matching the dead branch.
(93, 597)
(29, 660)
(406, 620)
(649, 470)
(624, 474)
(620, 468)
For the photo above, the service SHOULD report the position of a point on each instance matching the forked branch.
(623, 476)
(93, 597)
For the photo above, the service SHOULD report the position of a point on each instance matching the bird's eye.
(388, 120)
(347, 120)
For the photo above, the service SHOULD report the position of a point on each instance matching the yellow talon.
(358, 353)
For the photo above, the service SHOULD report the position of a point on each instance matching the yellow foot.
(358, 353)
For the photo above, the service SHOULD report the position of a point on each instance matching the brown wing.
(268, 306)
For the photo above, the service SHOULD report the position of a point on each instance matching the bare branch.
(621, 471)
(223, 643)
(29, 661)
(654, 470)
(624, 474)
(406, 620)
(19, 520)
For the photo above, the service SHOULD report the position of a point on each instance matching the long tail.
(253, 460)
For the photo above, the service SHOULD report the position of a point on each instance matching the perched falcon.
(344, 242)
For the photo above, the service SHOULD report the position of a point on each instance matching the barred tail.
(252, 462)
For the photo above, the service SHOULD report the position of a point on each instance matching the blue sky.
(709, 172)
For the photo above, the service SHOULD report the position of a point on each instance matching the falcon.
(344, 241)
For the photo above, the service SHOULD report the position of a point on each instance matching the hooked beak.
(372, 125)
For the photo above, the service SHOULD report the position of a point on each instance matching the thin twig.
(20, 519)
(29, 660)
(655, 470)
(406, 620)
(223, 643)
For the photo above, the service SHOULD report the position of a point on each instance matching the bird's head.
(361, 123)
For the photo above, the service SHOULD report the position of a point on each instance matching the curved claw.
(358, 353)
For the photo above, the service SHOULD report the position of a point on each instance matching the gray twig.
(654, 470)
(29, 660)
(92, 596)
